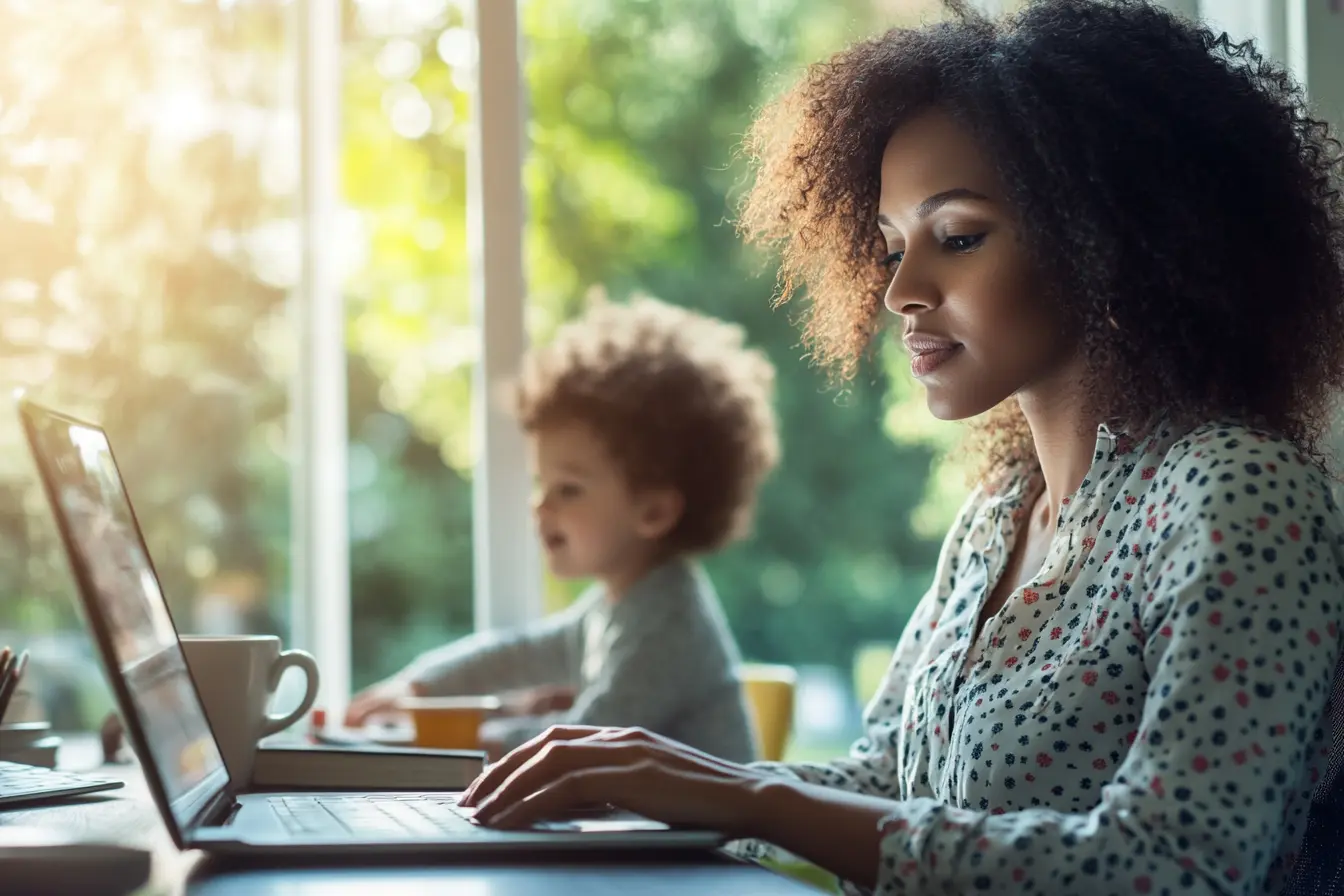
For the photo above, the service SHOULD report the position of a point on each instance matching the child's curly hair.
(677, 399)
(1173, 188)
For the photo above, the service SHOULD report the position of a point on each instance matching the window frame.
(506, 569)
(319, 482)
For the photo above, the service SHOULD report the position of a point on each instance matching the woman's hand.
(379, 698)
(568, 767)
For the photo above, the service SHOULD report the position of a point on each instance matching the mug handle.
(304, 661)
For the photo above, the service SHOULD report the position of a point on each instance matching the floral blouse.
(1148, 714)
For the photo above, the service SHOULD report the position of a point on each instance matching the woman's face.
(977, 325)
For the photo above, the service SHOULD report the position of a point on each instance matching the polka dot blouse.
(1148, 714)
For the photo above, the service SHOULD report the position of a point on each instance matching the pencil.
(10, 681)
(6, 661)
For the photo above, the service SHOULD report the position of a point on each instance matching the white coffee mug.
(236, 676)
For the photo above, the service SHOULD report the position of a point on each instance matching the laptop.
(203, 809)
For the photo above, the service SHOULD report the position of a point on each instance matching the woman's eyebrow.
(937, 201)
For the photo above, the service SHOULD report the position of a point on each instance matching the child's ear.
(659, 512)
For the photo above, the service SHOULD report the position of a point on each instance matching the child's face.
(591, 524)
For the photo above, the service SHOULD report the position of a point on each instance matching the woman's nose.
(912, 288)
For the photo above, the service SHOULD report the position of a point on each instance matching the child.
(651, 429)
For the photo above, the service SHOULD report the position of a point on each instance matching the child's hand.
(538, 701)
(379, 698)
(551, 698)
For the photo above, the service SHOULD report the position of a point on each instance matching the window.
(407, 75)
(632, 111)
(148, 204)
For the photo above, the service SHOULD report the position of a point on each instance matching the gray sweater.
(660, 658)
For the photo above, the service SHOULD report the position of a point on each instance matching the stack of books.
(30, 743)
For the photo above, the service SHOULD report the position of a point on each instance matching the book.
(40, 752)
(315, 767)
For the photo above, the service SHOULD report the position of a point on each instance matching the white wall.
(1315, 52)
(1263, 20)
(1305, 35)
(1187, 8)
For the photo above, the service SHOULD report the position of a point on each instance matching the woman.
(1118, 241)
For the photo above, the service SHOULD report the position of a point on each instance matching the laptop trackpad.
(600, 825)
(599, 820)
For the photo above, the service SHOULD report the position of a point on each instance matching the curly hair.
(677, 399)
(1171, 187)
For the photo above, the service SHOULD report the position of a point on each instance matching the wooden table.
(129, 816)
(122, 816)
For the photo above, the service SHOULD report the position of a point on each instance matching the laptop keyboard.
(415, 815)
(30, 784)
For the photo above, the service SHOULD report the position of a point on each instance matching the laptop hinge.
(218, 812)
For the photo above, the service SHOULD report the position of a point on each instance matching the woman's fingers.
(685, 793)
(627, 767)
(499, 772)
(562, 757)
(581, 787)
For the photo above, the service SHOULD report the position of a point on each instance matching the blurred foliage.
(147, 182)
(149, 176)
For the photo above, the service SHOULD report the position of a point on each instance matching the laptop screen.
(127, 610)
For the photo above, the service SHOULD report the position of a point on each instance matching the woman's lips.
(928, 353)
(926, 363)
